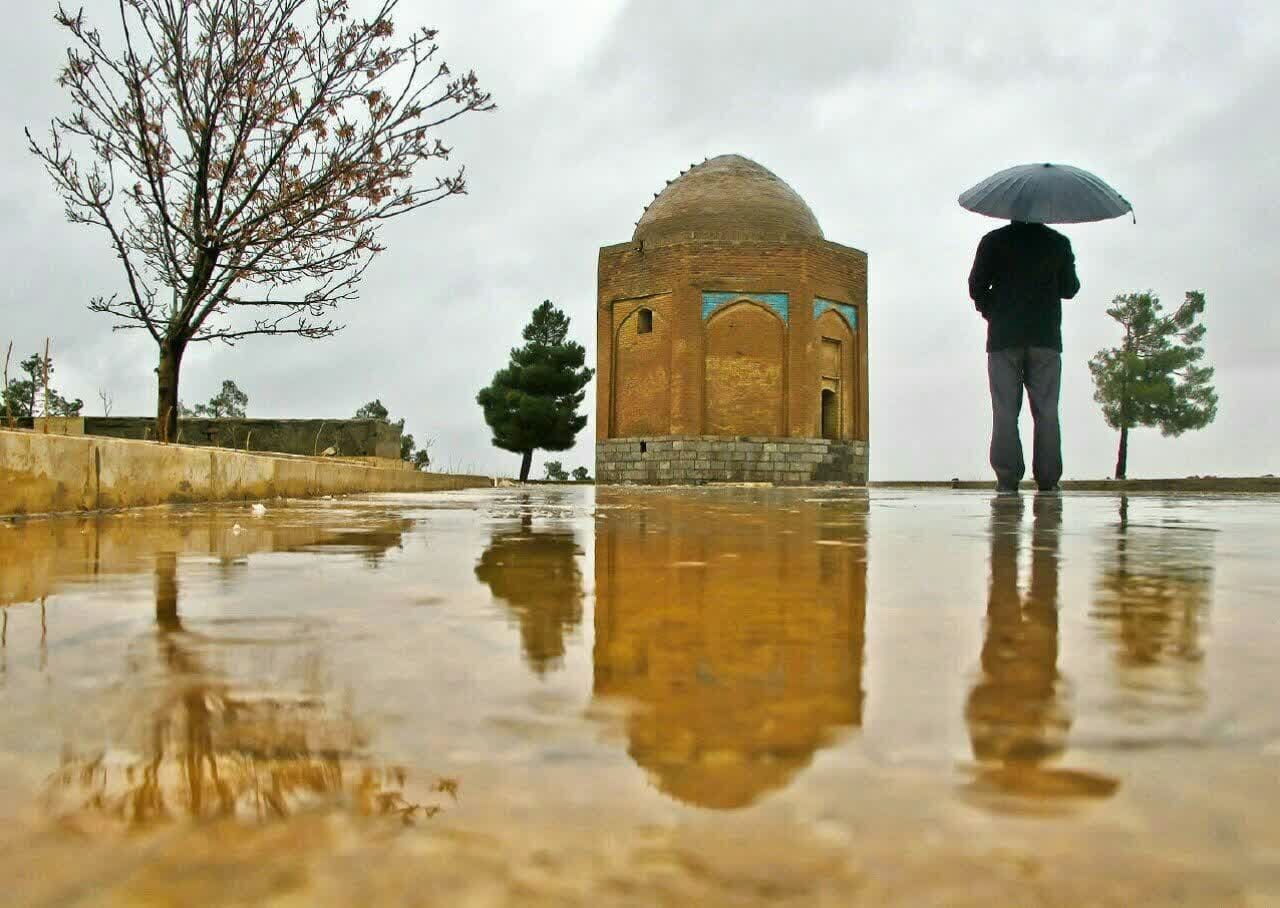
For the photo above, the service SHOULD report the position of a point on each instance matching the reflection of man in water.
(1017, 712)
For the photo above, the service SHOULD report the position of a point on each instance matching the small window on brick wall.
(644, 321)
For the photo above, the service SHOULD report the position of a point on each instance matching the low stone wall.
(56, 473)
(677, 460)
(306, 437)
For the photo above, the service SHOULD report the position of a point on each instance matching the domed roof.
(727, 197)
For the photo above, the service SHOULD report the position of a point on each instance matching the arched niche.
(744, 373)
(836, 394)
(642, 378)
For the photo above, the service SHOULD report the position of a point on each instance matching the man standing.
(1021, 274)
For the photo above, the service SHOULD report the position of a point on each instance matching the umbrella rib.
(1056, 194)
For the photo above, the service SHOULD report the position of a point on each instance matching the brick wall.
(690, 379)
(642, 405)
(677, 460)
(743, 377)
(838, 365)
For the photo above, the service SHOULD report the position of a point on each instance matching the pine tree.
(374, 409)
(26, 397)
(229, 403)
(533, 402)
(420, 457)
(1152, 378)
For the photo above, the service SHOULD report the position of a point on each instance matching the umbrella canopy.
(1045, 194)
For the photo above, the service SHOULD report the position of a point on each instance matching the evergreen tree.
(1152, 378)
(25, 397)
(420, 457)
(555, 471)
(533, 402)
(229, 403)
(374, 409)
(581, 474)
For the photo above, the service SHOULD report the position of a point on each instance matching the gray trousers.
(1039, 370)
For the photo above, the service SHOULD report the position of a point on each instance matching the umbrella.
(1046, 194)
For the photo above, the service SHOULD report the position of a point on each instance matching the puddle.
(575, 696)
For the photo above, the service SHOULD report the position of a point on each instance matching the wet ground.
(576, 696)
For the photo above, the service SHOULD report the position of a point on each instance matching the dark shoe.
(1054, 489)
(1006, 490)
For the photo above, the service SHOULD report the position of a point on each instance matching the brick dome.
(727, 197)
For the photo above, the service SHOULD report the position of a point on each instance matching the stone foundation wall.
(307, 437)
(678, 460)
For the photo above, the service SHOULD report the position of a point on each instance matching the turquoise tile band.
(778, 302)
(850, 313)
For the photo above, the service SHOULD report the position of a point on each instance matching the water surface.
(567, 695)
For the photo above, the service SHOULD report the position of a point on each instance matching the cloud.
(878, 114)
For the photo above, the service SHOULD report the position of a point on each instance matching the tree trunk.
(167, 391)
(166, 589)
(525, 463)
(1122, 458)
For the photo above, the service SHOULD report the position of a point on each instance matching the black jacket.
(1020, 277)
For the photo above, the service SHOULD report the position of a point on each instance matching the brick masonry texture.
(730, 230)
(692, 460)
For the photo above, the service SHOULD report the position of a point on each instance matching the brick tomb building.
(732, 339)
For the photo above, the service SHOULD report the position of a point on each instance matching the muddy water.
(717, 696)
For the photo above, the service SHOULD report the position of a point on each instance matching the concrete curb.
(47, 474)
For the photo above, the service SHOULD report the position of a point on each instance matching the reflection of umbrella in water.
(1045, 194)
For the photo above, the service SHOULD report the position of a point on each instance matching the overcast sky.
(877, 114)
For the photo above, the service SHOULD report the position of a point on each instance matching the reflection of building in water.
(536, 574)
(210, 737)
(1018, 713)
(732, 632)
(1152, 598)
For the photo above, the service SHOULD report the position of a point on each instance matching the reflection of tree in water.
(1018, 712)
(4, 638)
(1151, 598)
(370, 542)
(732, 633)
(536, 574)
(209, 750)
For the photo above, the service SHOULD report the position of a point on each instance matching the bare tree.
(241, 156)
(107, 400)
(8, 405)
